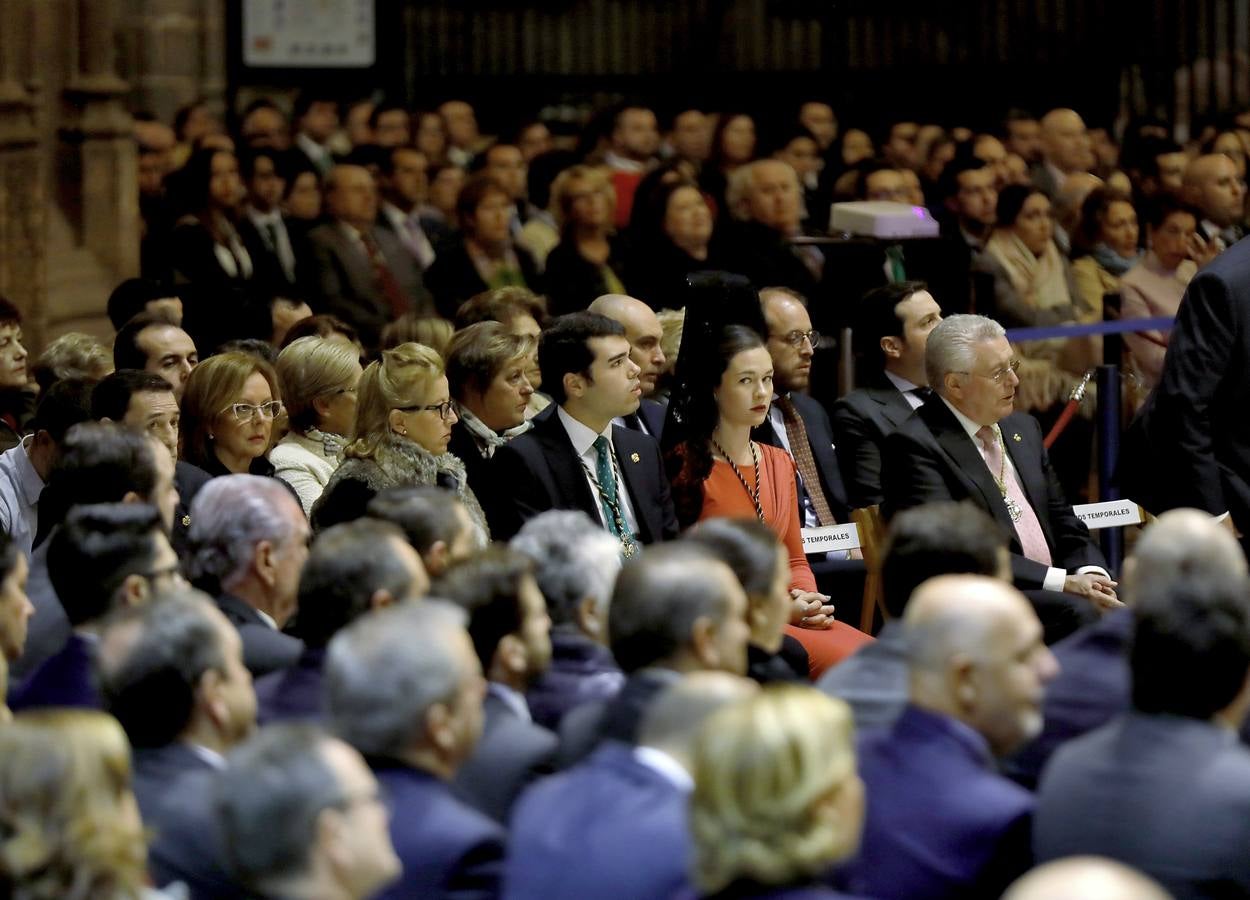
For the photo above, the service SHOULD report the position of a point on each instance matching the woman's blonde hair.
(433, 331)
(72, 355)
(402, 377)
(764, 770)
(215, 384)
(63, 775)
(313, 367)
(564, 188)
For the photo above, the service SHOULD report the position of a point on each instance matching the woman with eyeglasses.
(228, 408)
(319, 379)
(404, 419)
(718, 471)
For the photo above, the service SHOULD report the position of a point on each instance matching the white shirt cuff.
(1085, 570)
(1222, 516)
(1054, 579)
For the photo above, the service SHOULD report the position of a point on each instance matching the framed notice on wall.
(309, 34)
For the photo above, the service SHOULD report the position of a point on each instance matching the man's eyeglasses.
(444, 409)
(998, 375)
(796, 338)
(246, 412)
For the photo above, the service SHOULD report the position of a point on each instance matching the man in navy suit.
(575, 457)
(940, 821)
(104, 557)
(248, 541)
(930, 540)
(891, 329)
(643, 331)
(615, 826)
(676, 610)
(511, 634)
(1165, 788)
(172, 674)
(404, 687)
(352, 568)
(966, 443)
(1094, 683)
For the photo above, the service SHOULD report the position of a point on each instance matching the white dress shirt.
(905, 388)
(1055, 577)
(20, 487)
(584, 446)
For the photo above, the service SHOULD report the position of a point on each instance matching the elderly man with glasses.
(970, 445)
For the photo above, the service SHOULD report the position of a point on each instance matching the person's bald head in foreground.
(1181, 543)
(974, 652)
(642, 330)
(1085, 878)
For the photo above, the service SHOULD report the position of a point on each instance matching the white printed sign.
(309, 33)
(830, 538)
(1111, 514)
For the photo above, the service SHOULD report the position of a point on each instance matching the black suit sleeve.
(911, 475)
(1198, 360)
(668, 513)
(859, 455)
(519, 494)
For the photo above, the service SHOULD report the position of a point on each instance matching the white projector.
(880, 219)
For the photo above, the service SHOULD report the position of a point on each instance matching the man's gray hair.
(1182, 543)
(742, 182)
(229, 517)
(573, 559)
(952, 346)
(268, 799)
(385, 670)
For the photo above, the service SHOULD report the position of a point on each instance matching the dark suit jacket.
(448, 849)
(188, 479)
(264, 648)
(543, 472)
(610, 828)
(764, 256)
(64, 679)
(820, 439)
(453, 278)
(1197, 435)
(155, 772)
(930, 458)
(187, 846)
(581, 671)
(653, 413)
(347, 288)
(1093, 686)
(478, 470)
(862, 420)
(873, 680)
(940, 822)
(295, 693)
(590, 724)
(509, 755)
(572, 281)
(1164, 794)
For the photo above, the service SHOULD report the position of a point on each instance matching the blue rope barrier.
(1163, 323)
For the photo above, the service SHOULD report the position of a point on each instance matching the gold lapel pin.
(634, 457)
(1016, 437)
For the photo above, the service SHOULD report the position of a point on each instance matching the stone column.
(98, 132)
(23, 227)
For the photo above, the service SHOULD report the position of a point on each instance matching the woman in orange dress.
(718, 471)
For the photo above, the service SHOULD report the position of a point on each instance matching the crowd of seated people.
(460, 516)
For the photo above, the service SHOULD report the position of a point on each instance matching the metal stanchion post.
(1108, 430)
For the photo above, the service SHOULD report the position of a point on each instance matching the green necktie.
(894, 258)
(607, 485)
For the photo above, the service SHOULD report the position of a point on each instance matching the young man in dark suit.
(966, 443)
(511, 633)
(894, 321)
(574, 457)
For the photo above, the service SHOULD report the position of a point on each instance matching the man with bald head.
(1086, 878)
(643, 331)
(1094, 681)
(1165, 787)
(1212, 185)
(1066, 150)
(364, 274)
(940, 821)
